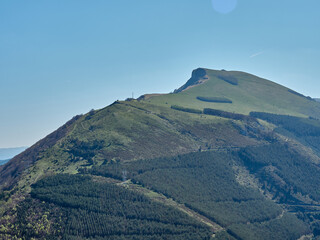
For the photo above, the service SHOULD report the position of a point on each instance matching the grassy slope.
(251, 94)
(132, 131)
(149, 128)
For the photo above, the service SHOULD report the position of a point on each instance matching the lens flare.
(224, 6)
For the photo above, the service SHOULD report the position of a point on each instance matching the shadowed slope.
(10, 172)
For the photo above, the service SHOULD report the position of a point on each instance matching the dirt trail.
(162, 199)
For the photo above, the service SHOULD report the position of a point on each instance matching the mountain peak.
(238, 92)
(198, 76)
(201, 75)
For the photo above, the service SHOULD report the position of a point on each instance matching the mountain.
(228, 155)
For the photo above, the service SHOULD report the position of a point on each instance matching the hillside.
(226, 156)
(247, 93)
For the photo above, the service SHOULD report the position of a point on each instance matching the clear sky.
(64, 57)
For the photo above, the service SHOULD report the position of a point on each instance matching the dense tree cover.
(214, 99)
(31, 219)
(225, 114)
(36, 219)
(274, 229)
(305, 130)
(299, 126)
(284, 170)
(313, 142)
(223, 235)
(183, 109)
(105, 211)
(287, 175)
(312, 218)
(204, 182)
(84, 150)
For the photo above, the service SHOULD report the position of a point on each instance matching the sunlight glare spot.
(224, 6)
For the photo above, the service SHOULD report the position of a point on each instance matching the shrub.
(214, 99)
(220, 113)
(183, 109)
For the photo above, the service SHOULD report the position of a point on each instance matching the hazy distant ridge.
(2, 162)
(8, 153)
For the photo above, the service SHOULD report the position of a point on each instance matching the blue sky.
(64, 57)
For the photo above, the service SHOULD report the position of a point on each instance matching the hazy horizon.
(8, 153)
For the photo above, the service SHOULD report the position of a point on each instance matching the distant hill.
(7, 153)
(228, 155)
(4, 161)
